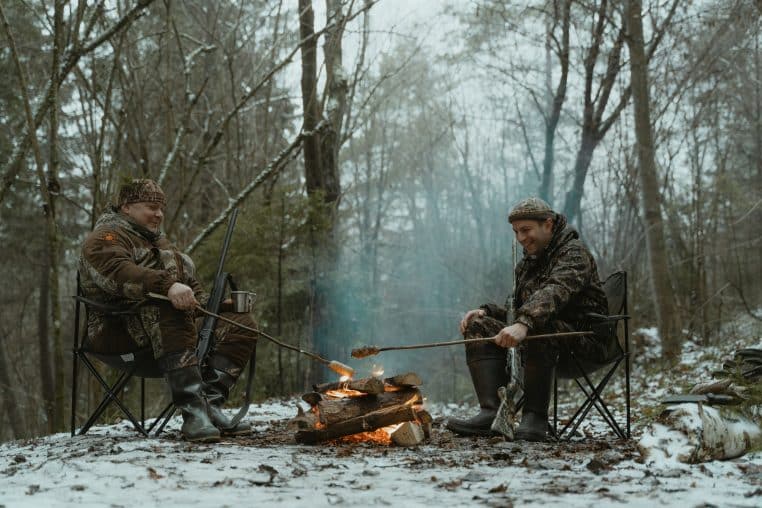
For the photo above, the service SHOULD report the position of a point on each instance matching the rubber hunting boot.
(186, 386)
(486, 364)
(217, 386)
(538, 381)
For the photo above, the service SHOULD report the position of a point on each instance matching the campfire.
(376, 410)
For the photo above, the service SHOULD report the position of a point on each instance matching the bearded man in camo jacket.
(127, 256)
(557, 286)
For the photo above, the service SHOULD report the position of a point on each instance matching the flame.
(382, 436)
(343, 393)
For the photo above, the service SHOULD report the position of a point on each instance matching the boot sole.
(235, 434)
(204, 439)
(530, 436)
(465, 432)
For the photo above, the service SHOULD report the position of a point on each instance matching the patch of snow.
(112, 465)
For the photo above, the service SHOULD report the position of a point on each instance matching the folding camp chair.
(615, 287)
(138, 364)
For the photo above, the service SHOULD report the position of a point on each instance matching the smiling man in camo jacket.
(557, 286)
(127, 256)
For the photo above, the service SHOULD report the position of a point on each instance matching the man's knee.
(177, 331)
(228, 332)
(484, 326)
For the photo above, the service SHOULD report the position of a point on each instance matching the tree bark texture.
(10, 402)
(666, 314)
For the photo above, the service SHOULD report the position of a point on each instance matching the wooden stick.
(338, 367)
(364, 351)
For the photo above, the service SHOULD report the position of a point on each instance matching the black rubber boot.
(217, 385)
(538, 381)
(486, 363)
(185, 384)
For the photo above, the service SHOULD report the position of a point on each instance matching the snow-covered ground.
(112, 466)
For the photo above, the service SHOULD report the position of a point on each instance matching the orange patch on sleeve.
(109, 237)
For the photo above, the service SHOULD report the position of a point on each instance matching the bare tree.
(666, 314)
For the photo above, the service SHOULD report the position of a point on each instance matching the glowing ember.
(344, 393)
(379, 436)
(355, 413)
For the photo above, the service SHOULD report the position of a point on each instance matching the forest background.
(373, 148)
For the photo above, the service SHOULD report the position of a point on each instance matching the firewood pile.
(384, 411)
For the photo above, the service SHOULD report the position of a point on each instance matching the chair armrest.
(600, 318)
(105, 308)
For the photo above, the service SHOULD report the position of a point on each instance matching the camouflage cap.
(141, 190)
(531, 208)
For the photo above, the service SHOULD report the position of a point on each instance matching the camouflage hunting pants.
(174, 332)
(592, 352)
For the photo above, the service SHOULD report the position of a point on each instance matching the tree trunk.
(43, 334)
(10, 403)
(651, 199)
(321, 169)
(556, 101)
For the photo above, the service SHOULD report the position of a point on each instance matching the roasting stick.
(364, 351)
(338, 367)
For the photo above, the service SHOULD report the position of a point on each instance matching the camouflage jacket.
(120, 263)
(561, 283)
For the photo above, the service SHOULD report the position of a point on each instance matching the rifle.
(221, 279)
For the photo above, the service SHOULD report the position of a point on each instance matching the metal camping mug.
(243, 301)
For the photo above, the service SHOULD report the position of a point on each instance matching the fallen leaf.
(596, 466)
(451, 486)
(500, 488)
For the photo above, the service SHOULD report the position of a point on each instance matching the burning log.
(371, 385)
(312, 398)
(426, 421)
(404, 380)
(365, 409)
(332, 411)
(365, 423)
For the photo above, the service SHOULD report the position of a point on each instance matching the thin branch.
(285, 156)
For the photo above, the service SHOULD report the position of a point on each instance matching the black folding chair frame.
(80, 354)
(593, 391)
